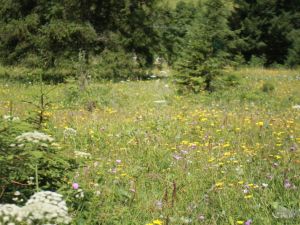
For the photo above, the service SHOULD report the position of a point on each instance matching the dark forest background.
(119, 39)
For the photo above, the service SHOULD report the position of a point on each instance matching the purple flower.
(118, 161)
(193, 146)
(184, 152)
(75, 186)
(177, 157)
(113, 170)
(288, 184)
(248, 222)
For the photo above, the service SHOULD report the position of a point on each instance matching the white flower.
(11, 118)
(160, 101)
(70, 132)
(79, 154)
(43, 206)
(34, 137)
(296, 107)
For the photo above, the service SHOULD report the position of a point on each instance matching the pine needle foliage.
(207, 44)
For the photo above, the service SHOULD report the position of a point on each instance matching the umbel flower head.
(43, 207)
(34, 137)
(69, 132)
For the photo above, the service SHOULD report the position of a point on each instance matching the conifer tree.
(207, 44)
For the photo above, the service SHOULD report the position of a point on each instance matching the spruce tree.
(206, 50)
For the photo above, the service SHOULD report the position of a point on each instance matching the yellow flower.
(227, 153)
(239, 222)
(184, 142)
(219, 184)
(277, 157)
(260, 123)
(226, 145)
(248, 196)
(157, 222)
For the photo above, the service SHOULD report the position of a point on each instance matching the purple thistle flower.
(248, 222)
(75, 186)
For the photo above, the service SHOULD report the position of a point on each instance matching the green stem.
(36, 178)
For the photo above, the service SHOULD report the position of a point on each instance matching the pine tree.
(206, 49)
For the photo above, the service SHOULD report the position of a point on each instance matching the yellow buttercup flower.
(260, 123)
(157, 222)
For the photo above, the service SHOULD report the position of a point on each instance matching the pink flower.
(248, 222)
(75, 186)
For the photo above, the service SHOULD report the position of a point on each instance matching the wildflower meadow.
(138, 152)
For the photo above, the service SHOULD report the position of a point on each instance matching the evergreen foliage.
(207, 46)
(195, 37)
(268, 29)
(172, 27)
(60, 29)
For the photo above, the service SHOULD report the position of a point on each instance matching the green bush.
(225, 81)
(268, 87)
(117, 66)
(26, 74)
(256, 61)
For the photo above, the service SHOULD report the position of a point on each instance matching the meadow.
(147, 155)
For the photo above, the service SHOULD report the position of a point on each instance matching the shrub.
(226, 81)
(116, 66)
(24, 74)
(268, 87)
(256, 61)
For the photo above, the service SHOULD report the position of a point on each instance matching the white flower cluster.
(11, 214)
(80, 154)
(80, 194)
(69, 132)
(11, 118)
(43, 207)
(296, 107)
(34, 137)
